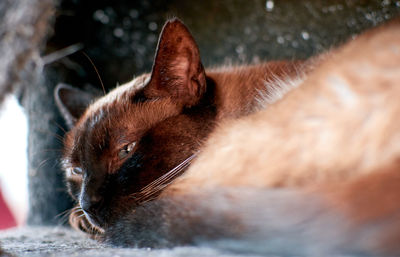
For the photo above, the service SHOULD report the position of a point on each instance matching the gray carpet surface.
(61, 241)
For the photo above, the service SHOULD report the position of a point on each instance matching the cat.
(313, 173)
(145, 133)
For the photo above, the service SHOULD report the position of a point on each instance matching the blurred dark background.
(120, 37)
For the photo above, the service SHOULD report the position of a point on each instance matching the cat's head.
(120, 143)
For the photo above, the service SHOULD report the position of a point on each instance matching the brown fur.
(372, 200)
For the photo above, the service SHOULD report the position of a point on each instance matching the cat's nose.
(90, 204)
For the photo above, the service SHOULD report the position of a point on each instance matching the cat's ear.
(177, 69)
(72, 102)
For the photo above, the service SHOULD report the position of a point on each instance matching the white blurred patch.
(13, 158)
(341, 87)
(276, 88)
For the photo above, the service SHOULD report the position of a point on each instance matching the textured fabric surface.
(60, 242)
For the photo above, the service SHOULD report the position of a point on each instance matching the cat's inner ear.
(177, 69)
(72, 102)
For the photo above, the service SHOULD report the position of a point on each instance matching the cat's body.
(351, 94)
(313, 173)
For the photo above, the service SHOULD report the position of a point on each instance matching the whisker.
(44, 162)
(52, 159)
(63, 213)
(64, 219)
(176, 171)
(59, 138)
(150, 191)
(161, 183)
(97, 72)
(47, 150)
(58, 126)
(171, 174)
(46, 155)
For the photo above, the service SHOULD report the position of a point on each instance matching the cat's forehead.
(109, 109)
(117, 115)
(121, 93)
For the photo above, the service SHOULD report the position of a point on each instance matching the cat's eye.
(124, 152)
(76, 171)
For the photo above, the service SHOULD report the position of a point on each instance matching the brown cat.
(120, 147)
(315, 173)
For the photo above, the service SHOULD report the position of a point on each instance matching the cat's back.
(245, 85)
(339, 123)
(322, 162)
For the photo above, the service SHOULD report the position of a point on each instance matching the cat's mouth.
(95, 223)
(79, 220)
(95, 220)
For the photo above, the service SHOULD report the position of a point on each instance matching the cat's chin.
(95, 221)
(79, 221)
